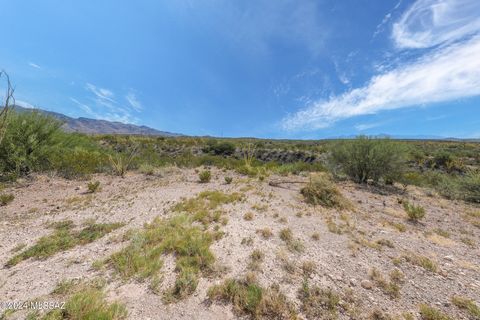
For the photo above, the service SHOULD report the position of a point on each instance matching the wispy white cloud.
(444, 73)
(100, 93)
(429, 23)
(366, 126)
(103, 105)
(133, 101)
(34, 65)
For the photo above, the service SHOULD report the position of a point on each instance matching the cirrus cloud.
(445, 73)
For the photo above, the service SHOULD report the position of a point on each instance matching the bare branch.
(8, 103)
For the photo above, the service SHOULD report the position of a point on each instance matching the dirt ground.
(349, 243)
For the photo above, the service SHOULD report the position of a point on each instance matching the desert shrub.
(367, 158)
(6, 198)
(120, 162)
(205, 176)
(318, 303)
(321, 190)
(77, 162)
(470, 186)
(247, 297)
(63, 238)
(222, 148)
(93, 186)
(430, 313)
(28, 138)
(88, 304)
(467, 304)
(415, 212)
(147, 169)
(228, 180)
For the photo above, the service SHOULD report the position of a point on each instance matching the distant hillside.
(94, 126)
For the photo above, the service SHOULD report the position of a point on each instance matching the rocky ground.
(352, 251)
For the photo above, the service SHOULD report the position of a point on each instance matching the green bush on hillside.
(366, 158)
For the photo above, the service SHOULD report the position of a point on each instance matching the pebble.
(366, 284)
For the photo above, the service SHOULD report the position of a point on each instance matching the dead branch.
(7, 104)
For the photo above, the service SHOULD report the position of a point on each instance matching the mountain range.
(96, 126)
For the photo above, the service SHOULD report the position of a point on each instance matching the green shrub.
(205, 176)
(430, 313)
(467, 304)
(367, 158)
(321, 190)
(470, 186)
(222, 148)
(6, 198)
(93, 186)
(77, 162)
(247, 297)
(415, 212)
(147, 169)
(88, 304)
(28, 138)
(228, 180)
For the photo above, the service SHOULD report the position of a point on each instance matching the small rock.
(353, 282)
(448, 258)
(366, 284)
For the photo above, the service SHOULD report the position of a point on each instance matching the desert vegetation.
(191, 227)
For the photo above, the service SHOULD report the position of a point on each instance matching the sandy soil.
(343, 261)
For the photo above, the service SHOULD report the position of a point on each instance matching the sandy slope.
(343, 261)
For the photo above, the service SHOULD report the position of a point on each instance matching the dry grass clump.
(203, 207)
(308, 267)
(321, 190)
(318, 303)
(248, 216)
(6, 198)
(93, 186)
(430, 313)
(468, 305)
(421, 261)
(265, 232)
(63, 238)
(191, 246)
(392, 287)
(205, 176)
(85, 301)
(256, 259)
(292, 244)
(316, 236)
(249, 298)
(414, 212)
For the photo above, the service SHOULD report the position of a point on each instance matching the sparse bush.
(147, 169)
(63, 238)
(318, 303)
(367, 158)
(88, 304)
(249, 298)
(93, 186)
(205, 176)
(248, 216)
(321, 190)
(430, 313)
(415, 212)
(265, 232)
(120, 162)
(228, 180)
(470, 186)
(467, 304)
(6, 198)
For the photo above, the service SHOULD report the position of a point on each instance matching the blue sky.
(278, 68)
